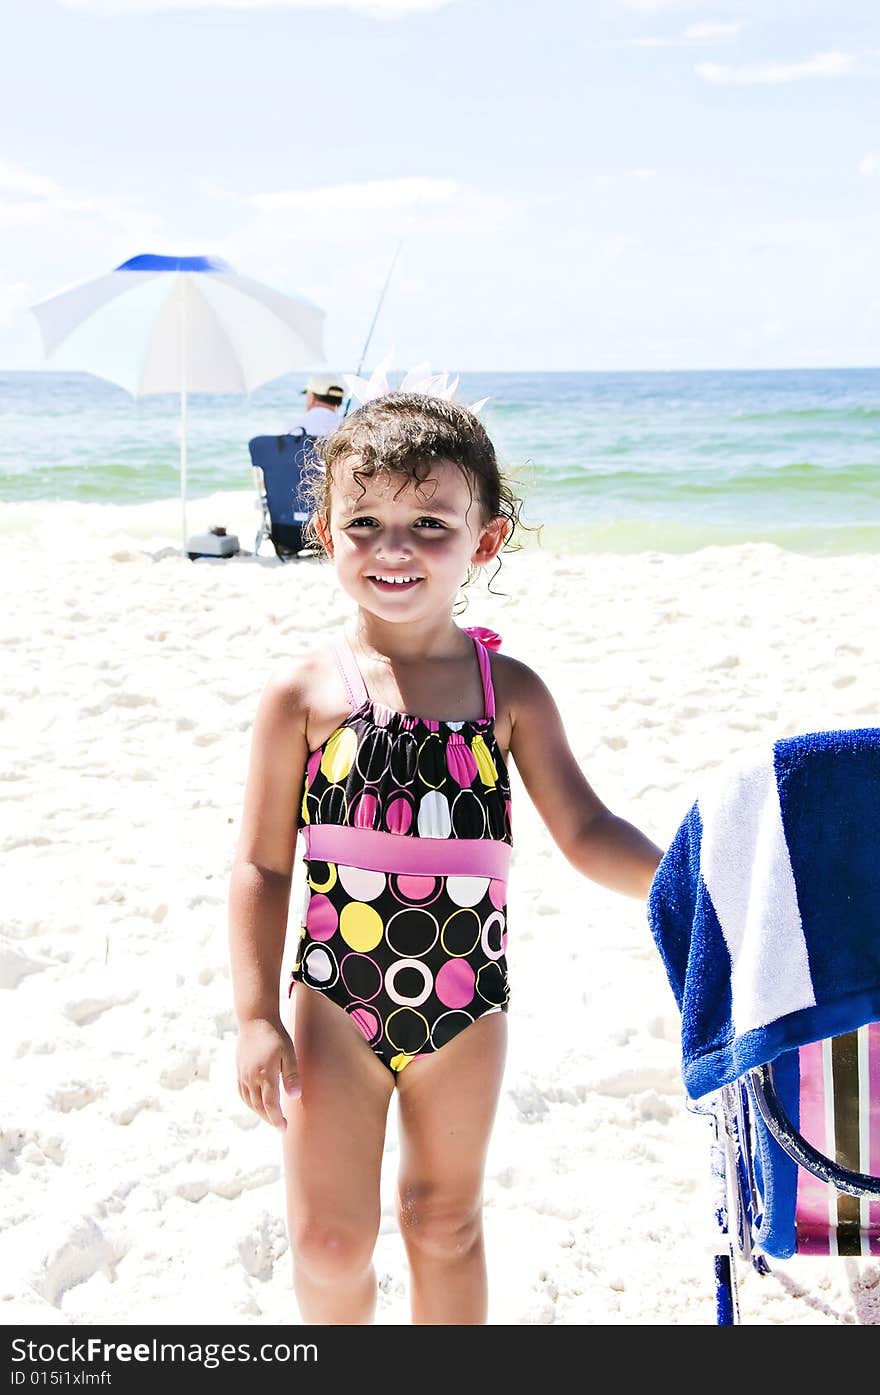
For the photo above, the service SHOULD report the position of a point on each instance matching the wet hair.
(403, 434)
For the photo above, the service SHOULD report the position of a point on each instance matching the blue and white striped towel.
(766, 906)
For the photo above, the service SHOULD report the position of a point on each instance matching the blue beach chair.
(278, 463)
(766, 912)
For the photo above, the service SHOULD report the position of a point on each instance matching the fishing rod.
(375, 318)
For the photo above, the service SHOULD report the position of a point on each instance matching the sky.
(562, 185)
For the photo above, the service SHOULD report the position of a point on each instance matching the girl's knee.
(439, 1226)
(327, 1251)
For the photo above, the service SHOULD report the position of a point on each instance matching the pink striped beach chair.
(801, 1178)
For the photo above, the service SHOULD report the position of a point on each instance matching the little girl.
(387, 751)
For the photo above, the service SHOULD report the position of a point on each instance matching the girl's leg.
(333, 1158)
(447, 1108)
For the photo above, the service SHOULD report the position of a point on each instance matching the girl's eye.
(361, 523)
(429, 523)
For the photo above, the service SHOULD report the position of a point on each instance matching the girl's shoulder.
(297, 678)
(307, 690)
(519, 688)
(515, 675)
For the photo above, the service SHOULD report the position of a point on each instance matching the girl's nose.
(395, 543)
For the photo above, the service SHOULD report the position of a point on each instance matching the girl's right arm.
(259, 895)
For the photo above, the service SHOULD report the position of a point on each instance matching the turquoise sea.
(663, 461)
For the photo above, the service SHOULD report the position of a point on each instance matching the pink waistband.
(376, 851)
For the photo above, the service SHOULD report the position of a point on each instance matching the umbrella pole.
(183, 414)
(183, 468)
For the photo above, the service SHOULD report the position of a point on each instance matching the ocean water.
(623, 462)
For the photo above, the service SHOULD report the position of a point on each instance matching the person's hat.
(325, 385)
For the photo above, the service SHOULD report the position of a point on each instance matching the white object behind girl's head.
(419, 379)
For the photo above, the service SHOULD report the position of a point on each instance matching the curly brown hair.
(402, 433)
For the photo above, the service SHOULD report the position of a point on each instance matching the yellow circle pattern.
(360, 926)
(325, 885)
(339, 754)
(485, 764)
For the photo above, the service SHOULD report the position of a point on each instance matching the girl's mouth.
(386, 581)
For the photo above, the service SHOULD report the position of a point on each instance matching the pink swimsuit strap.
(356, 688)
(485, 673)
(349, 668)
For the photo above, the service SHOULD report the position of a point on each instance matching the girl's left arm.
(606, 848)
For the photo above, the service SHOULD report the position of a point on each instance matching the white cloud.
(338, 200)
(616, 176)
(458, 245)
(614, 247)
(334, 227)
(15, 180)
(699, 33)
(375, 9)
(803, 234)
(823, 65)
(72, 219)
(51, 237)
(869, 164)
(694, 35)
(46, 229)
(652, 7)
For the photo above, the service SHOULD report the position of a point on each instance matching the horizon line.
(294, 373)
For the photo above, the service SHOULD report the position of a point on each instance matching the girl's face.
(402, 549)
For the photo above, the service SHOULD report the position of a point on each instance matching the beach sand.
(137, 1189)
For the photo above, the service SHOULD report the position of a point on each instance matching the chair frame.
(843, 1179)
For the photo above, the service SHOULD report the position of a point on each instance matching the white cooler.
(216, 543)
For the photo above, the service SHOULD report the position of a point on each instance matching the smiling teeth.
(397, 580)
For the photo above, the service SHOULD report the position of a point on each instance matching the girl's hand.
(264, 1055)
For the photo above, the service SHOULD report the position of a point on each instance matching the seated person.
(324, 393)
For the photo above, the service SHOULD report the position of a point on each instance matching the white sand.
(136, 1187)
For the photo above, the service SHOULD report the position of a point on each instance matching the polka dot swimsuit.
(406, 824)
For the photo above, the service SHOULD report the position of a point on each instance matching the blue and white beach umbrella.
(180, 324)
